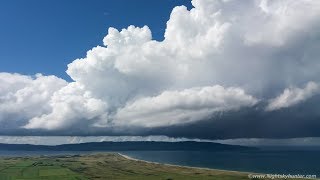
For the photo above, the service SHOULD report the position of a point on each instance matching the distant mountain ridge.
(129, 146)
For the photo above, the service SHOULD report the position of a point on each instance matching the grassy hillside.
(107, 166)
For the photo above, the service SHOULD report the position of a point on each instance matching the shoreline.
(128, 158)
(134, 159)
(183, 166)
(200, 168)
(107, 165)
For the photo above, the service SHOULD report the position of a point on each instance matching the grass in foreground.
(106, 166)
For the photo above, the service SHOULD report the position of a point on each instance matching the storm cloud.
(225, 69)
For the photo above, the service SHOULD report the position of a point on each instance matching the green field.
(35, 168)
(106, 166)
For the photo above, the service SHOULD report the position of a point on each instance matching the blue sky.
(225, 69)
(44, 36)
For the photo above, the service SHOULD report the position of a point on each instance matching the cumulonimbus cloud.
(216, 57)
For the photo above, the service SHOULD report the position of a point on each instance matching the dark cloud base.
(302, 120)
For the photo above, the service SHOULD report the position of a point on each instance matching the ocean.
(273, 162)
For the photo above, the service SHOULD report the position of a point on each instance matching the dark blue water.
(276, 162)
(265, 161)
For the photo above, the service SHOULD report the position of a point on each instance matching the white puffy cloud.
(252, 44)
(282, 21)
(70, 106)
(23, 97)
(257, 47)
(293, 96)
(176, 107)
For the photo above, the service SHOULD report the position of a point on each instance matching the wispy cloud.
(293, 96)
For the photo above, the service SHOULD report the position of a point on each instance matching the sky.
(44, 37)
(200, 69)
